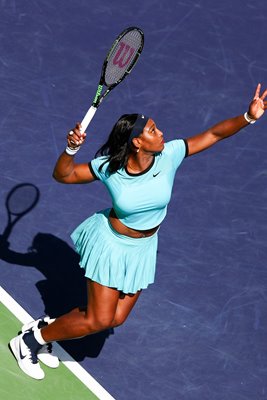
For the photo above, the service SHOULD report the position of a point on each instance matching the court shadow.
(20, 200)
(63, 288)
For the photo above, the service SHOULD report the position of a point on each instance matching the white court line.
(66, 359)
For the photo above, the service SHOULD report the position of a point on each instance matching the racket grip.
(88, 118)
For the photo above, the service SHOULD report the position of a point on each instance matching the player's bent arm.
(66, 171)
(220, 131)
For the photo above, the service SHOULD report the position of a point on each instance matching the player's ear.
(136, 142)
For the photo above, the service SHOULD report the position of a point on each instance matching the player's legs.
(97, 316)
(106, 308)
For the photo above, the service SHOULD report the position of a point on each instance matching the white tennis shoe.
(45, 354)
(26, 358)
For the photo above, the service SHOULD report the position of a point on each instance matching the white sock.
(38, 336)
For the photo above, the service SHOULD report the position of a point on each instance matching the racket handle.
(88, 118)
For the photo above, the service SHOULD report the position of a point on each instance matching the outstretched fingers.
(257, 92)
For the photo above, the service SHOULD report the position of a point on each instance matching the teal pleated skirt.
(117, 261)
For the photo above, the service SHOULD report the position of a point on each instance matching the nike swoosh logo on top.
(20, 354)
(154, 175)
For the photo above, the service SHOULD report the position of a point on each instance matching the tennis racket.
(20, 200)
(119, 62)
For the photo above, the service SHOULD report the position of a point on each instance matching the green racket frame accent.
(97, 96)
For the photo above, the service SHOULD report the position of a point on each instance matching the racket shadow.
(63, 287)
(20, 200)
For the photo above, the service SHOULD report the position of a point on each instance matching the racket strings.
(122, 56)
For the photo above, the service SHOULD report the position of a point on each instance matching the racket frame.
(99, 97)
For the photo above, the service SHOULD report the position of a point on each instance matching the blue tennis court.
(199, 332)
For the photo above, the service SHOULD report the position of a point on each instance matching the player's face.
(151, 139)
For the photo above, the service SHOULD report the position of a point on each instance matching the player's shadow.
(63, 288)
(64, 285)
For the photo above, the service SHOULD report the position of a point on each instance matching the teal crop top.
(140, 200)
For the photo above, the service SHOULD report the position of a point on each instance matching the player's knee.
(118, 320)
(98, 324)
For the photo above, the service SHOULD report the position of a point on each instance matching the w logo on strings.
(123, 55)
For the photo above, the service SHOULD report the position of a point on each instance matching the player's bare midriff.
(119, 227)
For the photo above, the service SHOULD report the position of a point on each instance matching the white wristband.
(70, 151)
(248, 119)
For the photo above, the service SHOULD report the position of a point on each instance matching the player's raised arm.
(229, 127)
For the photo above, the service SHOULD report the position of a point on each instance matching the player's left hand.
(258, 105)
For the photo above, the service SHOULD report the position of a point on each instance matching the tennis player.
(117, 246)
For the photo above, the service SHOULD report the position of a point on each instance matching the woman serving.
(118, 246)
